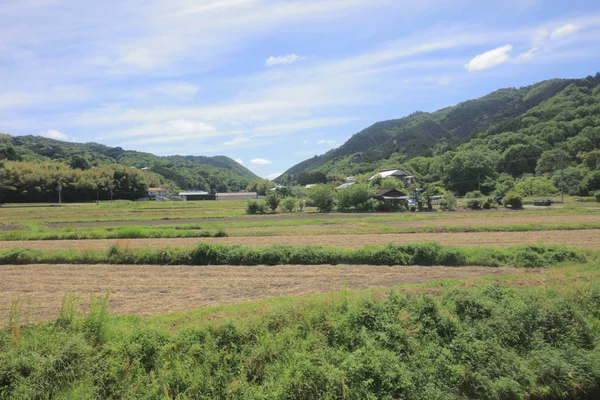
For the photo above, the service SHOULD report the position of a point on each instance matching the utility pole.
(562, 181)
(59, 191)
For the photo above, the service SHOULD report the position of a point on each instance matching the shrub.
(220, 233)
(443, 205)
(273, 201)
(488, 203)
(475, 194)
(512, 200)
(597, 196)
(474, 204)
(322, 197)
(289, 204)
(255, 207)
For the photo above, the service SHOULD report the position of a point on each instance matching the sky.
(270, 83)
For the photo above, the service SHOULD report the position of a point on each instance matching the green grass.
(497, 340)
(211, 229)
(212, 254)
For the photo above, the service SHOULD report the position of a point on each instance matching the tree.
(79, 162)
(354, 196)
(592, 181)
(260, 186)
(468, 168)
(322, 197)
(289, 204)
(571, 180)
(535, 186)
(273, 200)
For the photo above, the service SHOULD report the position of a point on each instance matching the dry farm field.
(143, 289)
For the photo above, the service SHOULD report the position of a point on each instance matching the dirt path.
(589, 239)
(151, 290)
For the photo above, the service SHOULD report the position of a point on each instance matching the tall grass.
(213, 254)
(488, 342)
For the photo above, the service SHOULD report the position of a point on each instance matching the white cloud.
(236, 141)
(528, 55)
(306, 142)
(273, 176)
(490, 59)
(327, 142)
(239, 161)
(564, 31)
(282, 60)
(261, 161)
(54, 134)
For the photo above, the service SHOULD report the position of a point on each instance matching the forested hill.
(508, 131)
(218, 173)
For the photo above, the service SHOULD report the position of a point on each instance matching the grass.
(258, 229)
(211, 254)
(496, 340)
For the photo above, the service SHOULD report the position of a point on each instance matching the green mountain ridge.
(218, 173)
(509, 125)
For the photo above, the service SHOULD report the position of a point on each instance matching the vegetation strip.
(493, 340)
(191, 231)
(213, 254)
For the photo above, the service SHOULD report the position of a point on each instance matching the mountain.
(502, 124)
(187, 172)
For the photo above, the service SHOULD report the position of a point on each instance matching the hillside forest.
(540, 138)
(30, 167)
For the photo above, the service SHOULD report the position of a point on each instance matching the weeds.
(490, 341)
(530, 256)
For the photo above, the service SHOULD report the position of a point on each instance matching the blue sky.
(270, 83)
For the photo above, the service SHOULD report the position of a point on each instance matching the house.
(391, 195)
(158, 194)
(345, 185)
(194, 195)
(237, 196)
(394, 173)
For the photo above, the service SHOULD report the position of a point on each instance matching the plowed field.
(589, 238)
(151, 290)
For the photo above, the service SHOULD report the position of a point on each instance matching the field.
(149, 291)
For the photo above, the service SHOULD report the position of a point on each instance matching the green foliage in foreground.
(491, 341)
(213, 254)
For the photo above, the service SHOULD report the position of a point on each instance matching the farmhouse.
(195, 195)
(158, 194)
(345, 185)
(393, 196)
(394, 173)
(237, 196)
(350, 180)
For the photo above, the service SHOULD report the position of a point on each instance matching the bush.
(443, 205)
(301, 204)
(488, 203)
(475, 194)
(356, 197)
(474, 204)
(272, 200)
(255, 207)
(289, 204)
(322, 196)
(597, 196)
(512, 200)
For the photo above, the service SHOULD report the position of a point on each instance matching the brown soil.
(151, 290)
(467, 219)
(589, 239)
